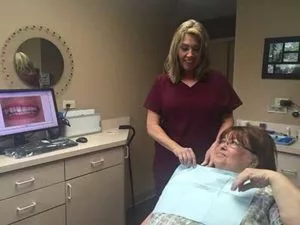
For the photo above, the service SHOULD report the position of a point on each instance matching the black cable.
(63, 117)
(67, 109)
(124, 127)
(295, 104)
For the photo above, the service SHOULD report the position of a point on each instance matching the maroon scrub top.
(191, 116)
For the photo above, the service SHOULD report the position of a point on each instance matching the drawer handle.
(126, 152)
(290, 173)
(69, 192)
(97, 163)
(21, 210)
(20, 183)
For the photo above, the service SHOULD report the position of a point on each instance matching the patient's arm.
(147, 220)
(286, 195)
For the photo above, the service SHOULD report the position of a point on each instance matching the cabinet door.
(97, 198)
(289, 165)
(54, 216)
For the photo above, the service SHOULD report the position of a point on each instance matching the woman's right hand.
(186, 156)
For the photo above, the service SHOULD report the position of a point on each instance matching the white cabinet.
(54, 216)
(93, 162)
(96, 195)
(31, 203)
(27, 192)
(97, 198)
(29, 179)
(87, 189)
(289, 165)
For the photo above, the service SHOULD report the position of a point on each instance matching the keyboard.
(39, 147)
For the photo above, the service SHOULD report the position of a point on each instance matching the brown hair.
(172, 66)
(257, 141)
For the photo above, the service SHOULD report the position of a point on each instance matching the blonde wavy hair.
(22, 63)
(172, 65)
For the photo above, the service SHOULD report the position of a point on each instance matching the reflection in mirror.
(38, 63)
(36, 56)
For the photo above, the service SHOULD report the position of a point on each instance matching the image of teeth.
(20, 110)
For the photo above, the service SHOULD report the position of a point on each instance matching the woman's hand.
(147, 220)
(252, 178)
(208, 160)
(186, 156)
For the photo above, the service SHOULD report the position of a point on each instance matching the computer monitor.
(26, 110)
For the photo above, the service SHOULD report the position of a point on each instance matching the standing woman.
(188, 106)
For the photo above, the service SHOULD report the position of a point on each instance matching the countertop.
(291, 149)
(99, 141)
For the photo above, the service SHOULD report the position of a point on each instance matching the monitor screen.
(27, 110)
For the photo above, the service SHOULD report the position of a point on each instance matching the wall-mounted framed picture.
(281, 58)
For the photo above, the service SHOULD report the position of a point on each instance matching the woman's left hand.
(257, 178)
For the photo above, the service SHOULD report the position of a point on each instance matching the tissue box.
(82, 125)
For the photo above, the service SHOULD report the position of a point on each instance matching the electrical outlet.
(277, 101)
(72, 104)
(276, 109)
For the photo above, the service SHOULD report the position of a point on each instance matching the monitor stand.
(19, 139)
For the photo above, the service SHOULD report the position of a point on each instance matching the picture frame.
(281, 58)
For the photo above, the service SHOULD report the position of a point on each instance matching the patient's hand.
(252, 178)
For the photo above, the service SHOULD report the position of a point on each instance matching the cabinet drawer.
(26, 205)
(25, 180)
(289, 165)
(54, 216)
(93, 162)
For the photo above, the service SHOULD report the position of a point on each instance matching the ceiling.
(206, 9)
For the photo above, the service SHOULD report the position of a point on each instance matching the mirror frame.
(13, 42)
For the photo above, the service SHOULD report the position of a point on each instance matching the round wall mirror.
(38, 62)
(35, 56)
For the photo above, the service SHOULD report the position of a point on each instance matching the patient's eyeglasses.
(233, 143)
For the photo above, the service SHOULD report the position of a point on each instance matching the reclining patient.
(204, 195)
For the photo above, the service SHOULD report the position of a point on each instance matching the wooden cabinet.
(289, 165)
(86, 189)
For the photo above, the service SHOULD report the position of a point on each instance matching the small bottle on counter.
(263, 126)
(288, 131)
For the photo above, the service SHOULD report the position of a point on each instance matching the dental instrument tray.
(282, 139)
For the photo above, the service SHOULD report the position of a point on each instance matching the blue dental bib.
(203, 194)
